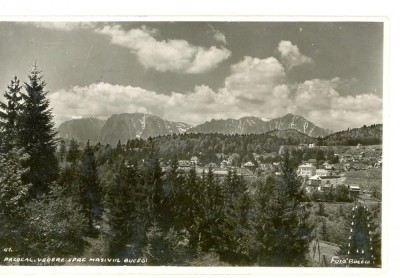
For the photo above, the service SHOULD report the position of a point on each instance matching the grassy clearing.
(369, 180)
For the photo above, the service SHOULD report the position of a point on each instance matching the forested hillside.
(366, 135)
(207, 146)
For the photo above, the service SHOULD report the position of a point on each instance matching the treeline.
(366, 135)
(208, 146)
(216, 147)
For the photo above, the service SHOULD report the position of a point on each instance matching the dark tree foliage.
(364, 238)
(153, 181)
(173, 194)
(324, 231)
(321, 209)
(366, 135)
(262, 221)
(206, 146)
(159, 248)
(37, 135)
(10, 112)
(126, 201)
(213, 212)
(14, 199)
(90, 192)
(235, 242)
(191, 209)
(56, 226)
(289, 231)
(70, 179)
(62, 151)
(73, 153)
(342, 193)
(118, 149)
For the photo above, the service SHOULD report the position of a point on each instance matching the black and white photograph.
(208, 143)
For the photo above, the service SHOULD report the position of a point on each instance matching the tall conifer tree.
(285, 234)
(37, 135)
(73, 152)
(90, 189)
(364, 239)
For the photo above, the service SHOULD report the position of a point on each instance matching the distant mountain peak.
(251, 124)
(81, 129)
(127, 126)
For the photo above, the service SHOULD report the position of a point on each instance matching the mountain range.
(139, 125)
(248, 125)
(119, 127)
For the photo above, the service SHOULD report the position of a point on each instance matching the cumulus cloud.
(321, 103)
(63, 26)
(254, 87)
(291, 56)
(166, 55)
(217, 34)
(102, 100)
(254, 79)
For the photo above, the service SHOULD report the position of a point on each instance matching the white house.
(194, 160)
(306, 170)
(322, 173)
(184, 164)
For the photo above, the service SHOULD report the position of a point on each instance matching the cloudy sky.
(330, 73)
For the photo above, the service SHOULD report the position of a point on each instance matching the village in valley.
(318, 175)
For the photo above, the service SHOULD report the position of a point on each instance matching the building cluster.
(322, 178)
(317, 175)
(222, 168)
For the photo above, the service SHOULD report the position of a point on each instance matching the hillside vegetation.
(366, 135)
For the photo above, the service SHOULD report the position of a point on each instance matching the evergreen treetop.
(10, 111)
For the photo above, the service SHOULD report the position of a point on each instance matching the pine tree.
(324, 231)
(173, 190)
(262, 220)
(295, 224)
(90, 190)
(159, 249)
(321, 209)
(236, 226)
(73, 153)
(62, 150)
(37, 135)
(14, 198)
(213, 214)
(70, 179)
(190, 203)
(9, 115)
(125, 199)
(118, 149)
(153, 178)
(364, 240)
(288, 229)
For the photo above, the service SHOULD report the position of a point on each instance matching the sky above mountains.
(328, 72)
